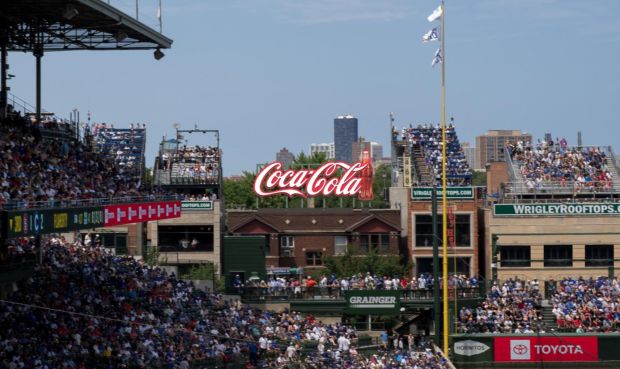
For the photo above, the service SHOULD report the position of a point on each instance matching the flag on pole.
(431, 35)
(159, 12)
(437, 59)
(436, 14)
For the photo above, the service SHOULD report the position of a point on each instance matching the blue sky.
(274, 73)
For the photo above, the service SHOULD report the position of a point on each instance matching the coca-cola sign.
(332, 178)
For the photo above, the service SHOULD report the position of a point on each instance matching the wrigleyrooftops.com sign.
(568, 209)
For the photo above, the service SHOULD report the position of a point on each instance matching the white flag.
(159, 12)
(437, 59)
(436, 14)
(431, 35)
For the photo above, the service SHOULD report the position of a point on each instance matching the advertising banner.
(375, 302)
(470, 348)
(22, 223)
(570, 209)
(331, 178)
(426, 193)
(143, 212)
(546, 349)
(198, 205)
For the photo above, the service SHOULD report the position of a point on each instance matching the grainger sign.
(332, 178)
(379, 302)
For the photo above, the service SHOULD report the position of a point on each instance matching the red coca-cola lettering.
(272, 180)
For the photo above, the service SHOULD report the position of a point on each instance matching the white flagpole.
(446, 324)
(160, 17)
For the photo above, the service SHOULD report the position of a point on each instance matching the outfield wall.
(529, 351)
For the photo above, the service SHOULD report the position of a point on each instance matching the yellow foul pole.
(444, 215)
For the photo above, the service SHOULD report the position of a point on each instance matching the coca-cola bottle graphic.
(365, 193)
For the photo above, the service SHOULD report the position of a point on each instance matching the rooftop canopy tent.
(61, 25)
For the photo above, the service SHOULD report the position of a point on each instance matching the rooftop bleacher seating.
(554, 166)
(428, 140)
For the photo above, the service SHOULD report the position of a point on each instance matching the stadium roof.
(73, 25)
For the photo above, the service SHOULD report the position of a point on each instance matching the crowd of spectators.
(131, 314)
(193, 163)
(124, 145)
(549, 162)
(332, 287)
(211, 196)
(337, 359)
(429, 138)
(511, 307)
(85, 308)
(37, 170)
(587, 305)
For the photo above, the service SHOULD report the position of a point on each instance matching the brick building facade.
(301, 237)
(420, 238)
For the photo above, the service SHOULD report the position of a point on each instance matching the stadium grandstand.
(416, 156)
(85, 308)
(41, 169)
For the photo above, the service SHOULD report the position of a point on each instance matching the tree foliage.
(354, 262)
(479, 178)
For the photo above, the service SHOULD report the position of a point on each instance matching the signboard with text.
(331, 178)
(22, 223)
(470, 348)
(376, 302)
(546, 349)
(142, 212)
(197, 205)
(568, 209)
(453, 193)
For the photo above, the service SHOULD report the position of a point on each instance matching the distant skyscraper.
(285, 157)
(491, 146)
(376, 151)
(345, 134)
(470, 155)
(328, 149)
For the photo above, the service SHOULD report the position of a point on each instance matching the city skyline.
(276, 74)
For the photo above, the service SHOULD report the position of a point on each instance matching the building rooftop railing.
(26, 205)
(335, 293)
(573, 188)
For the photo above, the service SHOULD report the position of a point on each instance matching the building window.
(287, 246)
(340, 245)
(314, 258)
(558, 255)
(463, 265)
(599, 255)
(379, 243)
(515, 256)
(424, 230)
(185, 238)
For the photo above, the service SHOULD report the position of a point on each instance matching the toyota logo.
(519, 349)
